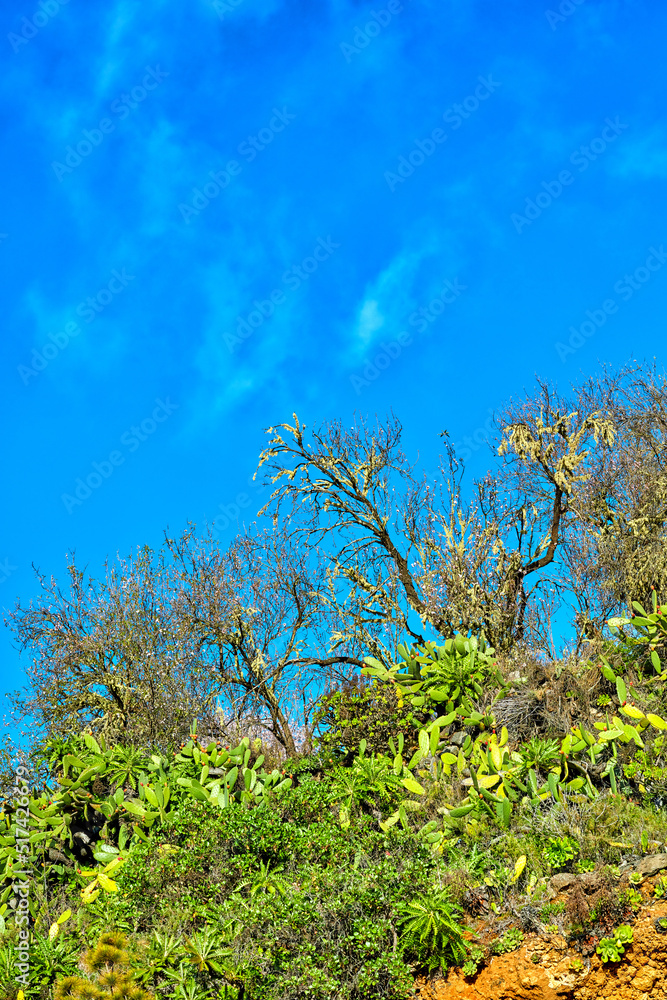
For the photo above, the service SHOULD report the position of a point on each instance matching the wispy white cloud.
(410, 279)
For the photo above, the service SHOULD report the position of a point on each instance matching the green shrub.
(560, 852)
(473, 962)
(660, 888)
(538, 753)
(363, 711)
(430, 931)
(611, 949)
(107, 964)
(510, 941)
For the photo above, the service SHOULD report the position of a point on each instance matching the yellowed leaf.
(488, 780)
(632, 711)
(519, 866)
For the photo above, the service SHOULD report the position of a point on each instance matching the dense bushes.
(364, 711)
(343, 874)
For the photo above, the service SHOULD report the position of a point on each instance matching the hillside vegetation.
(344, 751)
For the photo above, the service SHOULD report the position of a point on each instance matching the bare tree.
(362, 552)
(398, 548)
(620, 554)
(110, 655)
(234, 638)
(259, 617)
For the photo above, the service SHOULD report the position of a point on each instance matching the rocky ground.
(546, 967)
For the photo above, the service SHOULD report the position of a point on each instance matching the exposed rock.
(590, 881)
(652, 864)
(540, 971)
(562, 881)
(59, 858)
(458, 739)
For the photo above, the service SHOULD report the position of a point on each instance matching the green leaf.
(612, 779)
(86, 775)
(412, 786)
(388, 823)
(439, 695)
(197, 792)
(151, 797)
(611, 734)
(135, 809)
(474, 718)
(504, 811)
(69, 760)
(621, 690)
(91, 742)
(632, 712)
(375, 664)
(632, 734)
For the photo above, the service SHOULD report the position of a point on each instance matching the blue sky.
(216, 214)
